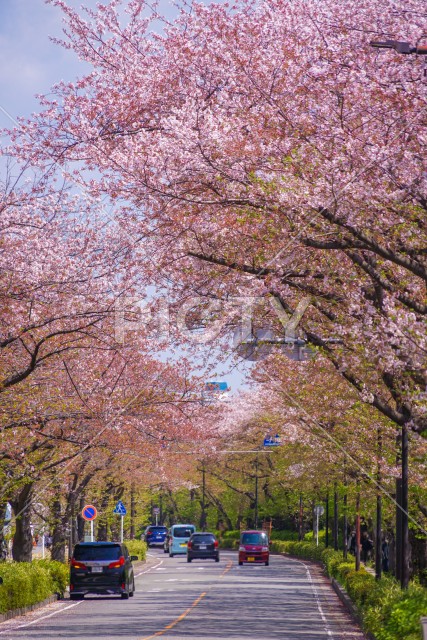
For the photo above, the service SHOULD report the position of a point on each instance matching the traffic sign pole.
(89, 514)
(317, 527)
(121, 528)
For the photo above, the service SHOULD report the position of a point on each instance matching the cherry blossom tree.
(264, 149)
(271, 144)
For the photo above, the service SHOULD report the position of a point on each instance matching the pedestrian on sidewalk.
(385, 555)
(367, 546)
(352, 543)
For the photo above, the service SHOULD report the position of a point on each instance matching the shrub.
(26, 583)
(284, 535)
(59, 572)
(279, 546)
(231, 535)
(359, 585)
(332, 559)
(306, 550)
(387, 612)
(137, 548)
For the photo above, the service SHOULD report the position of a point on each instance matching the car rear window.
(254, 538)
(203, 538)
(95, 552)
(157, 530)
(182, 532)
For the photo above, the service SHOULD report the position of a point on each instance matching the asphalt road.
(203, 600)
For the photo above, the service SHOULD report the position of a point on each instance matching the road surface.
(203, 600)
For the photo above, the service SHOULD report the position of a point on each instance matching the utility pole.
(327, 519)
(378, 534)
(256, 492)
(203, 516)
(358, 526)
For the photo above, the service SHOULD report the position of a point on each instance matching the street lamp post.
(400, 47)
(402, 520)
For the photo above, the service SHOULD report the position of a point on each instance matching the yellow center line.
(178, 619)
(227, 568)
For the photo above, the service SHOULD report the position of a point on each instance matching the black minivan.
(101, 568)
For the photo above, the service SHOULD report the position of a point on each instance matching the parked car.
(177, 538)
(102, 568)
(254, 547)
(155, 535)
(202, 545)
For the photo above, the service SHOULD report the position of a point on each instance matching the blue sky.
(30, 62)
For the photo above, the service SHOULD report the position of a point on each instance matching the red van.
(253, 548)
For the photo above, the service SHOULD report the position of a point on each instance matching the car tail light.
(78, 565)
(117, 563)
(216, 544)
(123, 586)
(189, 545)
(71, 587)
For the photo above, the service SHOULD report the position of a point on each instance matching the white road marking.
(149, 569)
(319, 605)
(27, 624)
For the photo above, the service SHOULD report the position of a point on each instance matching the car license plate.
(183, 544)
(203, 546)
(96, 569)
(251, 559)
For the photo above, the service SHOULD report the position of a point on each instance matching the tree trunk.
(336, 523)
(301, 519)
(133, 512)
(102, 529)
(80, 521)
(59, 535)
(3, 543)
(22, 547)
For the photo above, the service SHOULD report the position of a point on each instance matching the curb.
(14, 613)
(349, 605)
(339, 590)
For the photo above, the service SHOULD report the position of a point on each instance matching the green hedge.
(59, 573)
(26, 583)
(306, 550)
(386, 611)
(137, 548)
(284, 535)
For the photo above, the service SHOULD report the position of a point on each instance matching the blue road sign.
(272, 441)
(89, 512)
(120, 509)
(216, 386)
